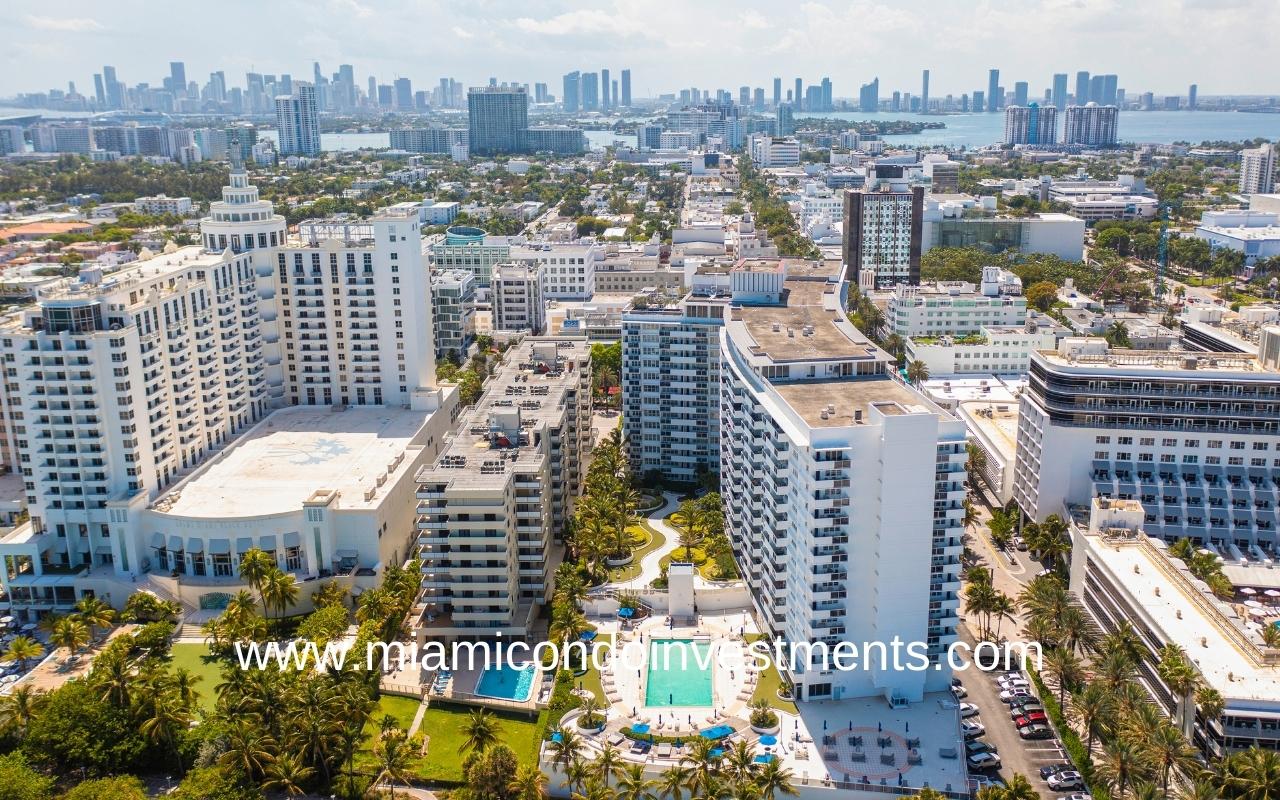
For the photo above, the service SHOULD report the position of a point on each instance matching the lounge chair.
(616, 739)
(664, 751)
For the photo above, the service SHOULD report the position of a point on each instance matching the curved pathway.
(649, 569)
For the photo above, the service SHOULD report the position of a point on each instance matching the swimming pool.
(679, 673)
(507, 682)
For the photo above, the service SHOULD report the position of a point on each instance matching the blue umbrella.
(556, 737)
(626, 613)
(716, 752)
(587, 636)
(768, 740)
(764, 759)
(640, 727)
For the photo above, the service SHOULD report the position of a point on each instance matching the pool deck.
(462, 689)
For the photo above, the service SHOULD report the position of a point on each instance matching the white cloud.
(576, 23)
(754, 19)
(462, 33)
(63, 24)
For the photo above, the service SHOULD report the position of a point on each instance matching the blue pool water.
(677, 676)
(507, 682)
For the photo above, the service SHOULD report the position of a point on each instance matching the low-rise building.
(161, 204)
(994, 350)
(956, 308)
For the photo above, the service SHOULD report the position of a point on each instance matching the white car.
(968, 710)
(1008, 681)
(972, 729)
(1077, 796)
(959, 692)
(1066, 780)
(984, 761)
(1009, 695)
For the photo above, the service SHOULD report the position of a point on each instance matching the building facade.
(1030, 124)
(297, 122)
(498, 119)
(1091, 125)
(518, 301)
(882, 237)
(1258, 169)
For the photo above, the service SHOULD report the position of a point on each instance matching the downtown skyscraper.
(298, 122)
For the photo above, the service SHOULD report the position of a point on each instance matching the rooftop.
(813, 399)
(294, 453)
(1157, 361)
(996, 422)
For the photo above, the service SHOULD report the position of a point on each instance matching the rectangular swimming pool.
(679, 673)
(507, 682)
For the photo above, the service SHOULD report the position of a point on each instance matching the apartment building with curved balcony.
(843, 487)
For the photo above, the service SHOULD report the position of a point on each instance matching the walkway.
(649, 569)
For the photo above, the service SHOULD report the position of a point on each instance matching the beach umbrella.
(768, 740)
(640, 727)
(1248, 590)
(626, 613)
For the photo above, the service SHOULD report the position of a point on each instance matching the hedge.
(1070, 739)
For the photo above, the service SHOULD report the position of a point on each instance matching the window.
(1261, 446)
(1169, 443)
(1215, 444)
(1102, 440)
(1237, 445)
(1100, 455)
(1147, 442)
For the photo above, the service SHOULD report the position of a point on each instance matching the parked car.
(1036, 732)
(1020, 543)
(968, 710)
(1018, 709)
(1009, 695)
(972, 729)
(1030, 718)
(959, 692)
(1066, 780)
(984, 761)
(975, 746)
(1054, 769)
(1010, 681)
(1077, 796)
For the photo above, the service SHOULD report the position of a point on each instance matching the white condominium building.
(570, 267)
(773, 151)
(1192, 436)
(843, 488)
(518, 302)
(1030, 124)
(1091, 125)
(993, 350)
(957, 308)
(671, 383)
(490, 507)
(453, 310)
(1258, 169)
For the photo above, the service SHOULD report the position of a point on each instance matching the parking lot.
(1016, 755)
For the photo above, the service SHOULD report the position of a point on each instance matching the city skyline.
(70, 41)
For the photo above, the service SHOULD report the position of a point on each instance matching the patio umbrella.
(1248, 590)
(626, 613)
(640, 727)
(587, 636)
(1268, 593)
(1253, 604)
(768, 740)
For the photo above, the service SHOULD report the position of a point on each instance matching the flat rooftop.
(1211, 633)
(293, 453)
(811, 399)
(997, 422)
(1161, 361)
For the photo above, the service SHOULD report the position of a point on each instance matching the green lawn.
(591, 681)
(444, 723)
(195, 659)
(629, 571)
(770, 682)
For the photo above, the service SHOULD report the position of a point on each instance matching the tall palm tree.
(22, 649)
(71, 633)
(393, 757)
(577, 773)
(975, 464)
(19, 707)
(773, 779)
(739, 764)
(608, 763)
(279, 590)
(565, 746)
(1125, 640)
(1019, 788)
(95, 613)
(1065, 669)
(481, 731)
(567, 624)
(703, 766)
(1182, 679)
(1168, 749)
(595, 789)
(1091, 709)
(674, 782)
(633, 785)
(1252, 774)
(528, 783)
(917, 372)
(255, 565)
(980, 601)
(288, 774)
(1210, 702)
(1002, 608)
(1122, 763)
(248, 748)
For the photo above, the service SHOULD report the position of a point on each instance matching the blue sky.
(1158, 45)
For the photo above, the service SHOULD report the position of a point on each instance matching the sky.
(1225, 46)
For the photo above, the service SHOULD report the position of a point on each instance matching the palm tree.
(672, 784)
(1002, 608)
(19, 707)
(22, 649)
(1056, 544)
(481, 730)
(739, 764)
(976, 465)
(577, 773)
(1065, 669)
(702, 766)
(95, 613)
(287, 774)
(71, 633)
(1168, 749)
(1122, 763)
(595, 789)
(1182, 679)
(279, 589)
(567, 624)
(608, 763)
(1252, 774)
(633, 785)
(980, 600)
(1019, 788)
(248, 748)
(255, 565)
(774, 779)
(165, 717)
(1090, 709)
(1123, 639)
(393, 757)
(1271, 636)
(917, 372)
(1210, 702)
(528, 783)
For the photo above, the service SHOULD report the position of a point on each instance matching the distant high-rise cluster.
(590, 91)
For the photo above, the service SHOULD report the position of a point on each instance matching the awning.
(292, 540)
(219, 546)
(175, 543)
(104, 550)
(195, 545)
(157, 541)
(267, 543)
(244, 544)
(1237, 471)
